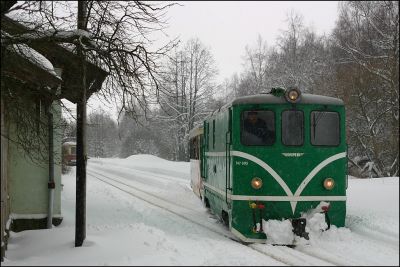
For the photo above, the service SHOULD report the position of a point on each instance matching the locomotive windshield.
(325, 130)
(258, 128)
(292, 128)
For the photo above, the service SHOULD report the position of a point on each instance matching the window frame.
(72, 150)
(340, 128)
(207, 134)
(242, 124)
(303, 127)
(213, 144)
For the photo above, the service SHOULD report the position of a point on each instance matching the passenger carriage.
(69, 153)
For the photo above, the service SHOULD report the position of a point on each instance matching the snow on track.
(353, 245)
(283, 254)
(124, 230)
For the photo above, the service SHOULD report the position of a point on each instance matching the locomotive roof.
(269, 98)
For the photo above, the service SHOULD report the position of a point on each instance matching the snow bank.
(371, 235)
(147, 163)
(123, 230)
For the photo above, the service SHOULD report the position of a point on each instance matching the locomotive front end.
(288, 164)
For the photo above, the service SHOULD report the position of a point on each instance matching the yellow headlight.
(256, 183)
(329, 183)
(292, 95)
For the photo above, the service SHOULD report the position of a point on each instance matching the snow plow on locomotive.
(267, 157)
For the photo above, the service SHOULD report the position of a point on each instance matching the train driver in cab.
(256, 130)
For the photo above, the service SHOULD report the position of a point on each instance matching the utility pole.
(80, 208)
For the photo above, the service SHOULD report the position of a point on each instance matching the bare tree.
(367, 41)
(257, 62)
(187, 86)
(300, 58)
(145, 135)
(118, 39)
(102, 135)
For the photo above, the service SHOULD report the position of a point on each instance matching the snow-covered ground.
(141, 211)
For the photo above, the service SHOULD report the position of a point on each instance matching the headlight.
(293, 95)
(329, 183)
(256, 183)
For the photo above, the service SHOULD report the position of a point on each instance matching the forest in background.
(357, 62)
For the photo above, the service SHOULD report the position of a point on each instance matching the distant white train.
(69, 153)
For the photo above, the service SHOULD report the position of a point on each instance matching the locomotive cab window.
(325, 128)
(258, 128)
(292, 127)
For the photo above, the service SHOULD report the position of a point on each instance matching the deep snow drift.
(141, 211)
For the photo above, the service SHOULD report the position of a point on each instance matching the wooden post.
(80, 209)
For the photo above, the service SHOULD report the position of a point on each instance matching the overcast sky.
(227, 27)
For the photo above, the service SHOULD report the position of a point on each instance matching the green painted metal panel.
(290, 164)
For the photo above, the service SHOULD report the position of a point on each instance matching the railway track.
(130, 184)
(389, 241)
(154, 174)
(283, 254)
(163, 203)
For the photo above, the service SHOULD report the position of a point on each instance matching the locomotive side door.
(206, 142)
(228, 144)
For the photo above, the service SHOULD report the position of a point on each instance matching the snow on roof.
(32, 23)
(271, 99)
(69, 143)
(34, 57)
(76, 32)
(58, 34)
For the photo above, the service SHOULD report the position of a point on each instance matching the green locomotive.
(272, 156)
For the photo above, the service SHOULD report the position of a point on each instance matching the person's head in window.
(253, 117)
(253, 120)
(256, 129)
